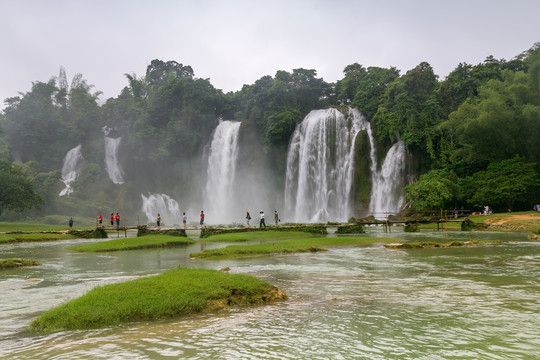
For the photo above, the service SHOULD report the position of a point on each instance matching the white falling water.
(162, 204)
(71, 169)
(111, 157)
(320, 166)
(223, 152)
(387, 194)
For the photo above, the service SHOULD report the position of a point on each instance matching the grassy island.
(16, 237)
(176, 293)
(134, 243)
(258, 236)
(13, 263)
(287, 246)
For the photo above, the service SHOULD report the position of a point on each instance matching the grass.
(28, 237)
(177, 292)
(258, 235)
(286, 246)
(448, 225)
(13, 263)
(27, 227)
(143, 242)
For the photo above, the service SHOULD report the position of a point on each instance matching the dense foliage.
(467, 133)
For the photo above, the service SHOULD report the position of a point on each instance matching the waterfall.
(320, 166)
(111, 159)
(161, 204)
(388, 182)
(222, 155)
(71, 169)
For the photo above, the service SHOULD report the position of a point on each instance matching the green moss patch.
(144, 242)
(178, 292)
(13, 263)
(286, 246)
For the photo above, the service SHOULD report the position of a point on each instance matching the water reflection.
(349, 303)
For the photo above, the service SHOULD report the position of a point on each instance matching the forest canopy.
(479, 124)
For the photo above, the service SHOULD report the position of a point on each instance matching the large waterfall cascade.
(320, 169)
(162, 204)
(71, 169)
(320, 165)
(221, 171)
(112, 164)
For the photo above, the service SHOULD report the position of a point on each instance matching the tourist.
(112, 220)
(184, 220)
(276, 218)
(70, 223)
(261, 223)
(202, 219)
(117, 217)
(158, 221)
(100, 220)
(248, 217)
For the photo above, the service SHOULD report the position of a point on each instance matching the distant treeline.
(466, 132)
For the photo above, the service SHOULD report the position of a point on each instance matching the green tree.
(16, 189)
(435, 190)
(502, 184)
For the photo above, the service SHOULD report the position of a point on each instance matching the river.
(479, 302)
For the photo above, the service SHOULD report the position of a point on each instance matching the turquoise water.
(348, 303)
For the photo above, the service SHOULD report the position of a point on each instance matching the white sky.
(237, 42)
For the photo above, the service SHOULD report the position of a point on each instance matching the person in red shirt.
(112, 220)
(100, 220)
(117, 217)
(202, 219)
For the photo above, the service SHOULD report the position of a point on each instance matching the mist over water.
(71, 169)
(162, 204)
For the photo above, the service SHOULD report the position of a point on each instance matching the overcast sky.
(237, 42)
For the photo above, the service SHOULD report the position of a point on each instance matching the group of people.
(159, 220)
(114, 218)
(261, 216)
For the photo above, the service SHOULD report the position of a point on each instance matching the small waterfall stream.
(112, 164)
(221, 170)
(387, 182)
(71, 169)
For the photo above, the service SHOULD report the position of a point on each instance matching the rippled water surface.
(348, 303)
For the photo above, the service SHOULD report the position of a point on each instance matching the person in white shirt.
(262, 219)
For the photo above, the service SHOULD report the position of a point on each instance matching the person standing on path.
(248, 217)
(202, 219)
(100, 220)
(112, 220)
(70, 223)
(261, 223)
(158, 221)
(184, 220)
(276, 218)
(117, 217)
